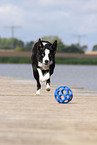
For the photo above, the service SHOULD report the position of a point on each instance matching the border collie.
(43, 62)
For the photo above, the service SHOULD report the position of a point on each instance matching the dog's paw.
(47, 87)
(37, 93)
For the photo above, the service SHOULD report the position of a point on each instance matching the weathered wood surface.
(26, 119)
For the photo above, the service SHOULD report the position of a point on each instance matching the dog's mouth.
(46, 64)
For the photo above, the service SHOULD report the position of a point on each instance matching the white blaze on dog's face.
(46, 57)
(46, 54)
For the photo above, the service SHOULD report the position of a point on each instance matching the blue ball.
(63, 94)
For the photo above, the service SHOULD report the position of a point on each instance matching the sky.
(33, 19)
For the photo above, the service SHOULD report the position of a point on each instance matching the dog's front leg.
(36, 76)
(40, 74)
(48, 85)
(46, 77)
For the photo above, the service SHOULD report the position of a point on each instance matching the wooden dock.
(26, 119)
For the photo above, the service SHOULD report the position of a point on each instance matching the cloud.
(85, 5)
(90, 6)
(89, 24)
(31, 14)
(10, 14)
(56, 2)
(45, 17)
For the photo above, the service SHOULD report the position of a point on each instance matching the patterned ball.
(63, 94)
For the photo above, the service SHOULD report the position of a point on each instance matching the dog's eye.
(42, 54)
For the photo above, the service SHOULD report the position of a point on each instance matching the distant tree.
(20, 48)
(74, 48)
(84, 47)
(94, 48)
(52, 39)
(29, 45)
(7, 43)
(17, 43)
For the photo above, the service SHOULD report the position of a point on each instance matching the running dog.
(43, 62)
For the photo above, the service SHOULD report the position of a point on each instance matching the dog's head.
(46, 52)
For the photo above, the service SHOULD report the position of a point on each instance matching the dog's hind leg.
(48, 85)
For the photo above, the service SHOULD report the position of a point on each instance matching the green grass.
(59, 60)
(83, 61)
(17, 60)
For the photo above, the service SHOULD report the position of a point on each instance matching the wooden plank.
(26, 119)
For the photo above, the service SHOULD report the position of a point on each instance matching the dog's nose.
(46, 61)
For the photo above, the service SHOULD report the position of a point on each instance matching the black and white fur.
(43, 62)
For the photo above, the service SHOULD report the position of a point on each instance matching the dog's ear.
(40, 45)
(54, 45)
